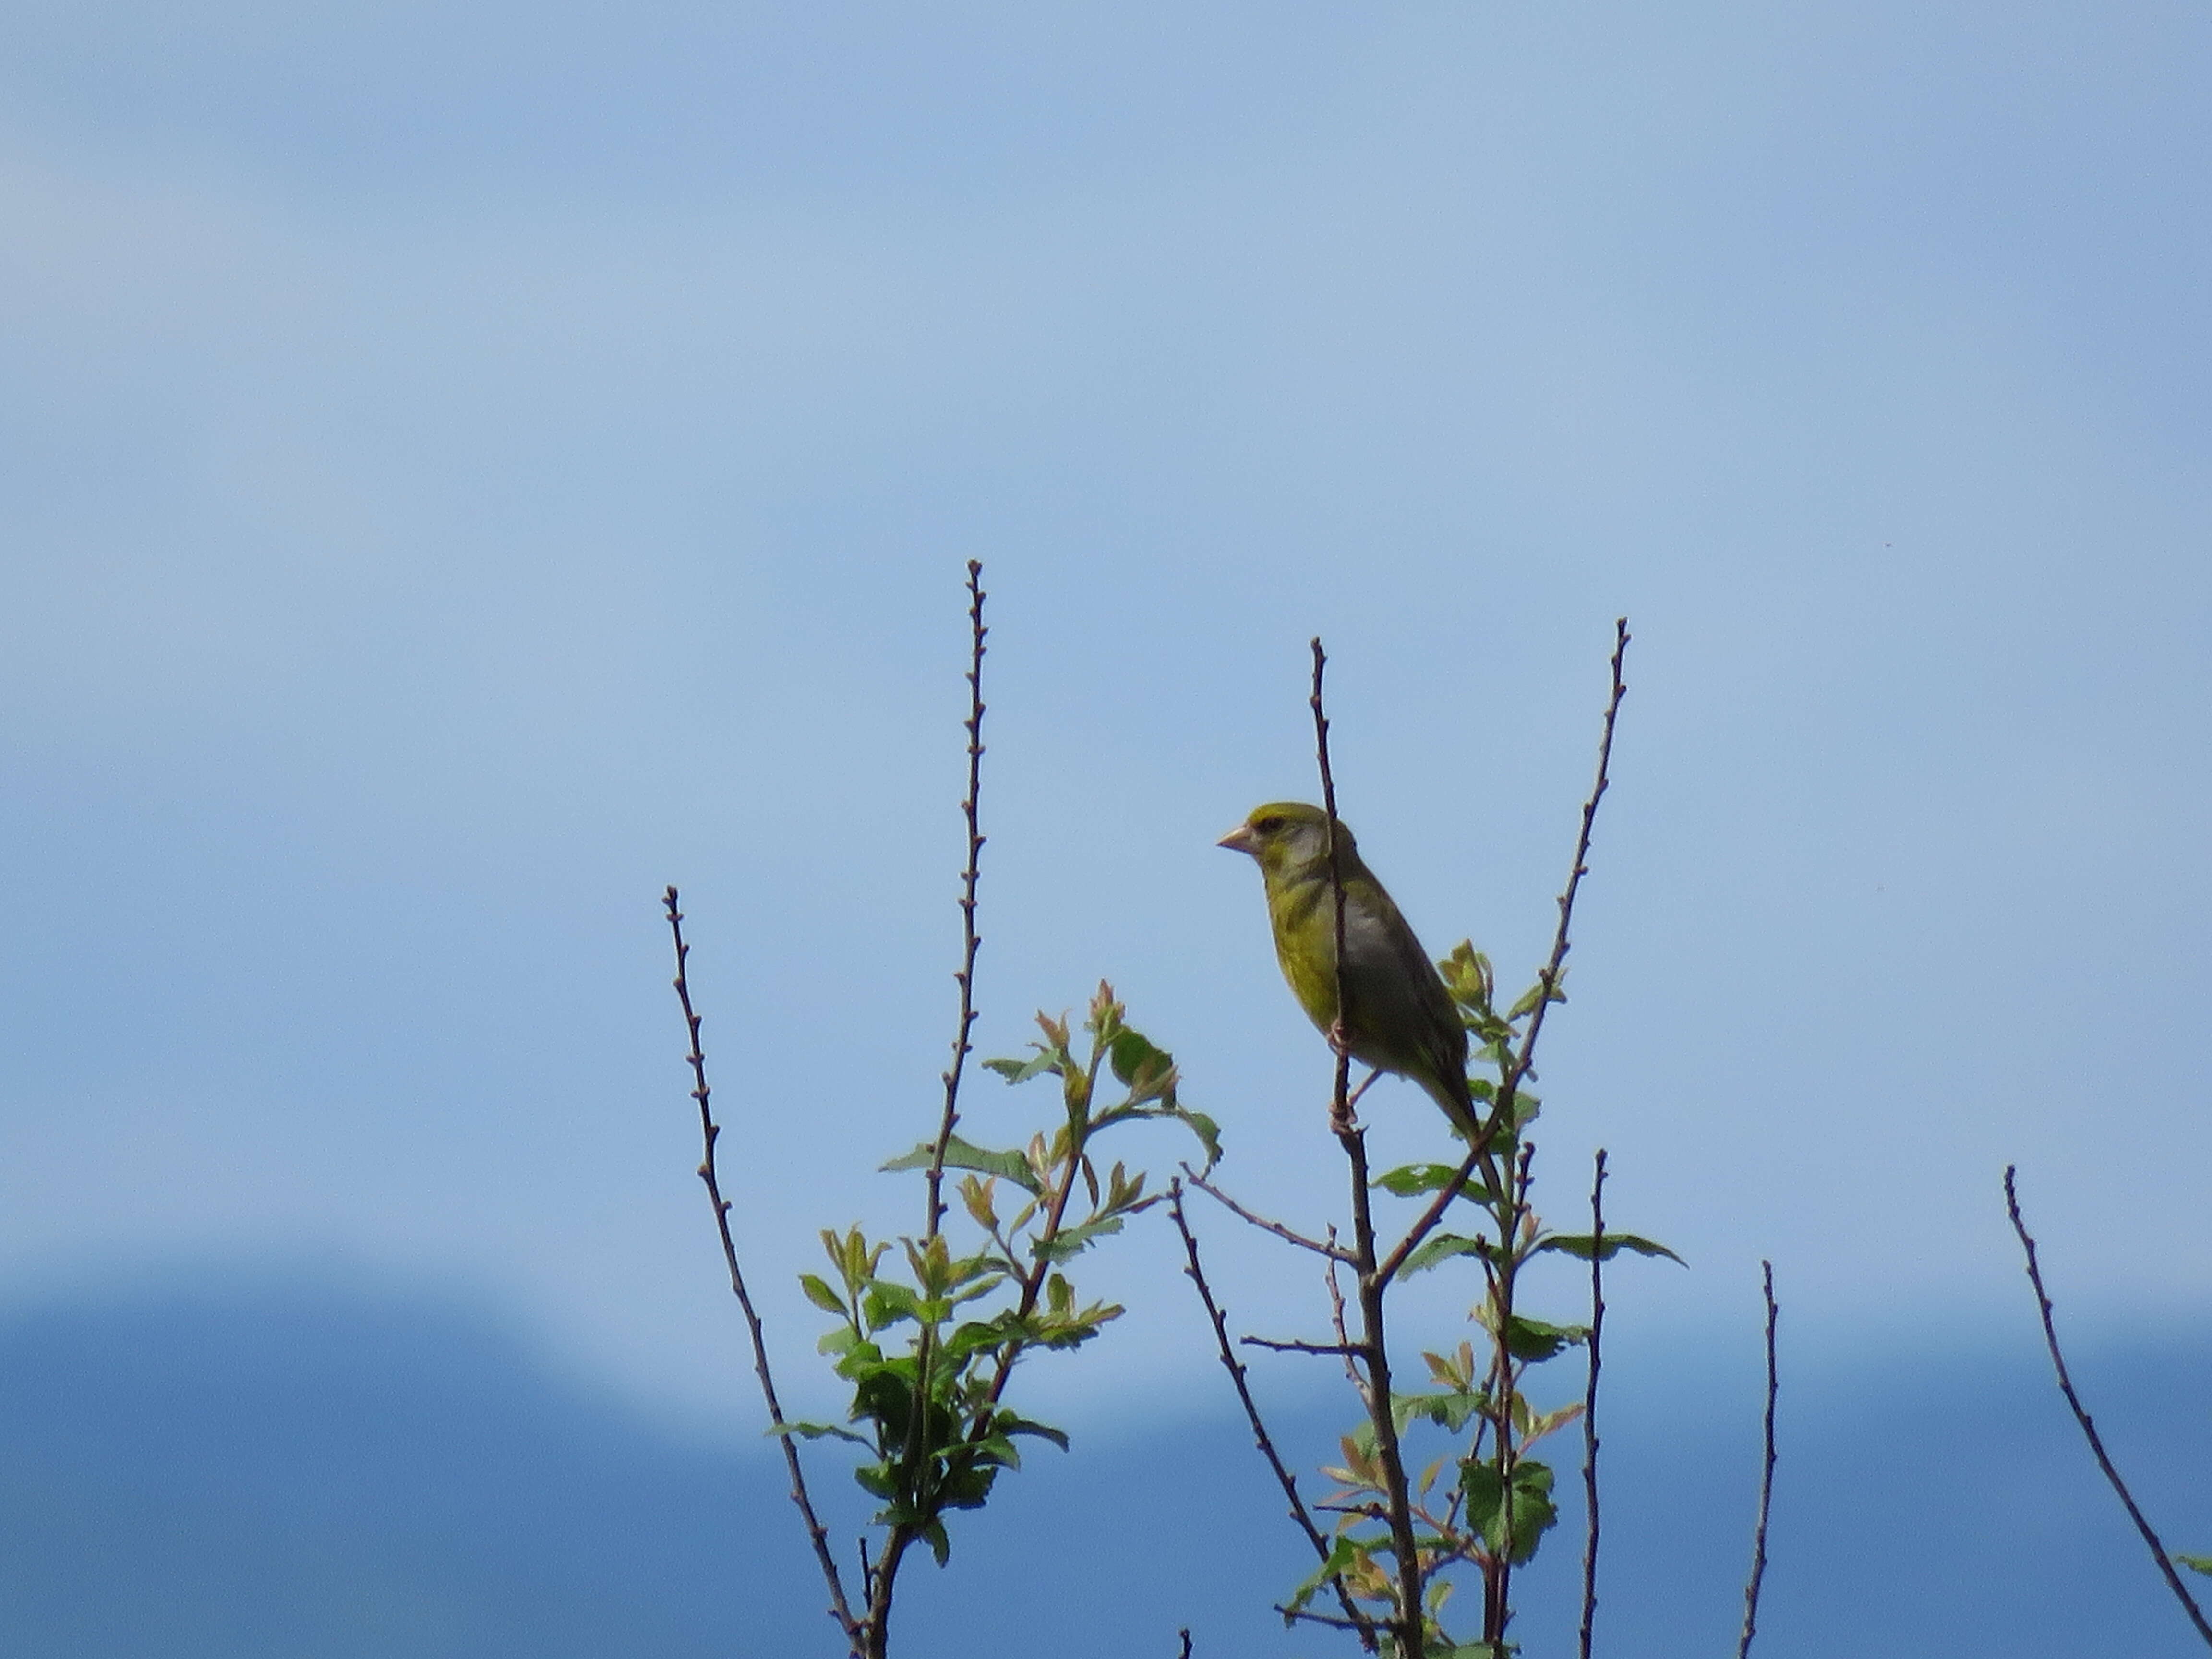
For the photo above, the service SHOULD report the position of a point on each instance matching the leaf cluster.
(1485, 1502)
(929, 1336)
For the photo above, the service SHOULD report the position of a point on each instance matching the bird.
(1398, 1017)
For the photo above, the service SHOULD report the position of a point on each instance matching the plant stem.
(970, 941)
(710, 1134)
(2157, 1546)
(1765, 1475)
(1590, 1401)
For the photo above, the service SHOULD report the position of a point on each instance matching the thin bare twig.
(1523, 1063)
(1302, 1615)
(1334, 1252)
(903, 1534)
(2157, 1547)
(1339, 1106)
(710, 1132)
(1549, 978)
(1235, 1369)
(1336, 1315)
(1410, 1625)
(1295, 1347)
(1765, 1476)
(969, 939)
(1590, 1401)
(1500, 1576)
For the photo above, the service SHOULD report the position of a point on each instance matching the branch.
(1502, 1389)
(1408, 1627)
(969, 941)
(710, 1132)
(1297, 1615)
(1451, 1190)
(1549, 977)
(1235, 1369)
(1273, 1346)
(1336, 1316)
(1335, 1253)
(2158, 1549)
(1339, 1106)
(1590, 1400)
(1766, 1478)
(1523, 1063)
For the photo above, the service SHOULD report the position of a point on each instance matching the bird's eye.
(1268, 825)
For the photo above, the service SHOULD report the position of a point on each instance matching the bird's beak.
(1241, 839)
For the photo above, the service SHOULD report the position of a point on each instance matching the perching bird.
(1398, 1016)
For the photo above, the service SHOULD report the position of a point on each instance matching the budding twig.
(2157, 1547)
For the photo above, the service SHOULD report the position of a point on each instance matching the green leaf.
(1071, 1242)
(1207, 1131)
(1344, 1554)
(1021, 1071)
(1148, 1072)
(886, 1395)
(966, 1338)
(1534, 996)
(1581, 1245)
(1468, 975)
(997, 1449)
(1451, 1411)
(1532, 1514)
(819, 1293)
(820, 1430)
(1411, 1179)
(1442, 1247)
(2197, 1563)
(976, 1288)
(940, 1545)
(1073, 1330)
(1009, 1423)
(961, 1155)
(967, 1484)
(887, 1302)
(1535, 1339)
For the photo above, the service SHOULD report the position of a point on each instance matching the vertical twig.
(970, 940)
(903, 1534)
(1590, 1401)
(710, 1132)
(2158, 1550)
(1560, 942)
(1412, 1622)
(1766, 1477)
(1523, 1063)
(1340, 1104)
(1500, 1587)
(1236, 1368)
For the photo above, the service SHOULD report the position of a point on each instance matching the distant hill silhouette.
(249, 1470)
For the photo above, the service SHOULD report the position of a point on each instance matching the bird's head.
(1289, 839)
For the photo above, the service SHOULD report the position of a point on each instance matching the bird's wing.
(1401, 1006)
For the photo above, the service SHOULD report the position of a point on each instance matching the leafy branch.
(1485, 1504)
(930, 1338)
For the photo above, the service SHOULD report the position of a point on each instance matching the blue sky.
(461, 470)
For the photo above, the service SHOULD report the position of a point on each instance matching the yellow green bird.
(1397, 1015)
